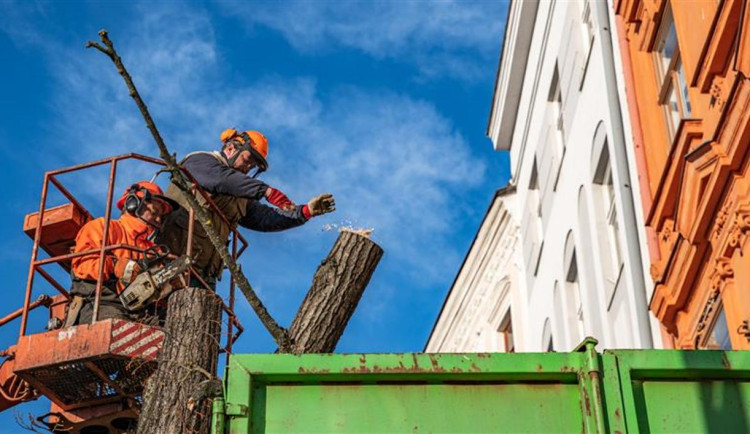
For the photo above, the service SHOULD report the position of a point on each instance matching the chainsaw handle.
(154, 255)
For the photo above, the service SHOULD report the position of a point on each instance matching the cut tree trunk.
(338, 285)
(172, 399)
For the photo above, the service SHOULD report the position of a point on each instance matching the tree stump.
(173, 397)
(336, 289)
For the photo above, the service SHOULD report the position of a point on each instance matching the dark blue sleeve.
(264, 218)
(218, 178)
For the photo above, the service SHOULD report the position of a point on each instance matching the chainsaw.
(155, 284)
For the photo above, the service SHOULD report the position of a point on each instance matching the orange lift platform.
(93, 374)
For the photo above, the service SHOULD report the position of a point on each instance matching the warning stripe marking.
(135, 339)
(150, 348)
(135, 342)
(125, 330)
(125, 338)
(150, 352)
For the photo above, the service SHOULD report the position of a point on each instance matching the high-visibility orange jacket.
(127, 230)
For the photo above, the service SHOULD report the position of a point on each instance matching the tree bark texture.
(186, 363)
(337, 287)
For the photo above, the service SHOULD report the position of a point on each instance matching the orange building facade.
(686, 66)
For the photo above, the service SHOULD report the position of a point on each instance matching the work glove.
(279, 199)
(126, 270)
(321, 204)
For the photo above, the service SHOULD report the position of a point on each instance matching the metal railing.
(36, 264)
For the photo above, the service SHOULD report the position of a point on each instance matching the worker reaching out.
(144, 207)
(225, 176)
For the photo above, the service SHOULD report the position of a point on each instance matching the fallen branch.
(280, 335)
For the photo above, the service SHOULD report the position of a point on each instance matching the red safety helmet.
(253, 141)
(143, 191)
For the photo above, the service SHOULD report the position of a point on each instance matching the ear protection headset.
(133, 203)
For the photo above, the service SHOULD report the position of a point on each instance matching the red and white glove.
(126, 270)
(279, 199)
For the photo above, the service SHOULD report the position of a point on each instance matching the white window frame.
(709, 342)
(613, 227)
(506, 331)
(587, 24)
(573, 292)
(670, 78)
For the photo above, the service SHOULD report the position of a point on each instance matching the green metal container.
(583, 391)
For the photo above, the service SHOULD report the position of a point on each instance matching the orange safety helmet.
(133, 197)
(253, 141)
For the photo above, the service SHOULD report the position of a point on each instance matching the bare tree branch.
(280, 335)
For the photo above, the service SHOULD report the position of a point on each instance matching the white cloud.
(442, 38)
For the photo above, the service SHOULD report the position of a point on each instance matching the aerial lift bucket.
(94, 374)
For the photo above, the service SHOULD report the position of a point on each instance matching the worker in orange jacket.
(143, 207)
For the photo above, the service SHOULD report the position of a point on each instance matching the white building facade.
(478, 313)
(579, 250)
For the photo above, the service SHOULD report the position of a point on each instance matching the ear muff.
(133, 203)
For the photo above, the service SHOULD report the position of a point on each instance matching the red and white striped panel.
(135, 340)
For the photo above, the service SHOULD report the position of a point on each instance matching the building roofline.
(511, 69)
(497, 73)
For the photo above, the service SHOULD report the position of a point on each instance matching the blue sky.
(383, 104)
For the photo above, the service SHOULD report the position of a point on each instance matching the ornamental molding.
(722, 271)
(742, 219)
(707, 316)
(731, 227)
(718, 95)
(720, 276)
(666, 234)
(721, 219)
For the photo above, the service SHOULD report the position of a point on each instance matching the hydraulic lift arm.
(13, 390)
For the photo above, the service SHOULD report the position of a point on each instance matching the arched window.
(588, 237)
(532, 230)
(506, 332)
(606, 212)
(572, 285)
(547, 341)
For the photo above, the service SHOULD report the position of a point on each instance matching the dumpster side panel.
(694, 406)
(408, 393)
(419, 408)
(685, 391)
(628, 391)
